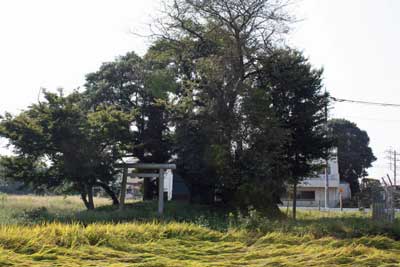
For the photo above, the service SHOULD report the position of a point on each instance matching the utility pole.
(326, 185)
(326, 161)
(392, 157)
(395, 167)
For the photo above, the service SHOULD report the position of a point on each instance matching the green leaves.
(239, 115)
(159, 83)
(297, 99)
(60, 142)
(353, 151)
(109, 123)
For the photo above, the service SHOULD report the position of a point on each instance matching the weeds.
(57, 231)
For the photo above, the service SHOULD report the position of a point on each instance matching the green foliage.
(28, 170)
(371, 191)
(69, 146)
(241, 116)
(228, 146)
(160, 82)
(299, 102)
(139, 86)
(297, 99)
(353, 151)
(115, 82)
(193, 160)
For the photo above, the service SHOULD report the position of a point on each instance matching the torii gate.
(147, 166)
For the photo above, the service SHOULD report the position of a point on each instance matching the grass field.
(56, 231)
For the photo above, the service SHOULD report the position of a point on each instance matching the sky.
(54, 43)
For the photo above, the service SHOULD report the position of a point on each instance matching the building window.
(306, 195)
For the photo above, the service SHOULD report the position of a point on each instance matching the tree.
(299, 102)
(133, 83)
(263, 167)
(58, 143)
(371, 190)
(213, 47)
(239, 110)
(193, 159)
(353, 151)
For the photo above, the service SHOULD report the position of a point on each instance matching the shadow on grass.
(348, 226)
(212, 217)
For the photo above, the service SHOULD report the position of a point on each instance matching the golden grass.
(316, 239)
(66, 203)
(181, 244)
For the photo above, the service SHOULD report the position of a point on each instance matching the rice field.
(181, 244)
(316, 239)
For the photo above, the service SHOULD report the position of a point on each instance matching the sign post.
(341, 198)
(161, 192)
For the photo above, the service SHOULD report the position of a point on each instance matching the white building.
(311, 191)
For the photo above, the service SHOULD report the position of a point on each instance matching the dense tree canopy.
(354, 153)
(213, 48)
(58, 143)
(254, 106)
(295, 89)
(217, 92)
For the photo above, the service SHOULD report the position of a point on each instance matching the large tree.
(214, 49)
(215, 81)
(59, 143)
(353, 151)
(133, 83)
(298, 99)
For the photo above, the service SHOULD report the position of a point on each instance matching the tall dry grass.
(58, 231)
(182, 244)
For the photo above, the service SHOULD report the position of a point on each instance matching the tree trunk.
(84, 199)
(89, 189)
(109, 192)
(147, 189)
(294, 201)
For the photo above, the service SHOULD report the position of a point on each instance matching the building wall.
(319, 180)
(319, 198)
(317, 185)
(319, 201)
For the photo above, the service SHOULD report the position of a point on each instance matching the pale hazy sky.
(54, 43)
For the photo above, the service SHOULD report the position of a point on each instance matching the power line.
(364, 102)
(392, 155)
(367, 119)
